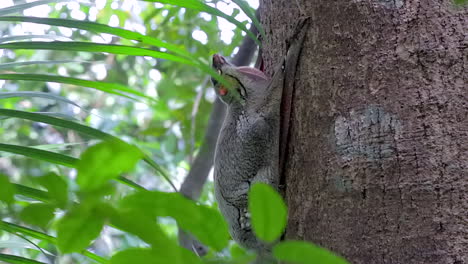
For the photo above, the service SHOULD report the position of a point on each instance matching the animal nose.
(218, 61)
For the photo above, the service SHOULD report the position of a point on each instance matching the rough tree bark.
(377, 167)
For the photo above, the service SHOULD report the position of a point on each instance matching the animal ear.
(252, 73)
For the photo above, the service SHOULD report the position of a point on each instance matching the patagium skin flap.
(247, 148)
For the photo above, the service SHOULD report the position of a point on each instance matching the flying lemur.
(248, 147)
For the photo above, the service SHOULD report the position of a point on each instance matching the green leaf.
(57, 122)
(135, 255)
(79, 128)
(53, 114)
(12, 228)
(17, 260)
(94, 47)
(78, 228)
(54, 158)
(13, 65)
(40, 154)
(251, 14)
(7, 190)
(23, 37)
(159, 255)
(50, 96)
(38, 214)
(203, 222)
(268, 212)
(140, 224)
(29, 192)
(106, 161)
(100, 28)
(202, 7)
(57, 188)
(22, 7)
(112, 88)
(144, 226)
(111, 48)
(130, 183)
(302, 252)
(241, 255)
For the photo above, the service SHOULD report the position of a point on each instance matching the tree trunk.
(377, 166)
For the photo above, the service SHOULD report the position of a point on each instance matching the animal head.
(247, 84)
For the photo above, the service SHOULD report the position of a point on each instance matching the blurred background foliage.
(168, 124)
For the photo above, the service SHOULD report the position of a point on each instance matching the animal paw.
(244, 219)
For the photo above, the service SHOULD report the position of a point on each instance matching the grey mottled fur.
(246, 152)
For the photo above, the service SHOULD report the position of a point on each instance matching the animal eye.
(242, 91)
(214, 81)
